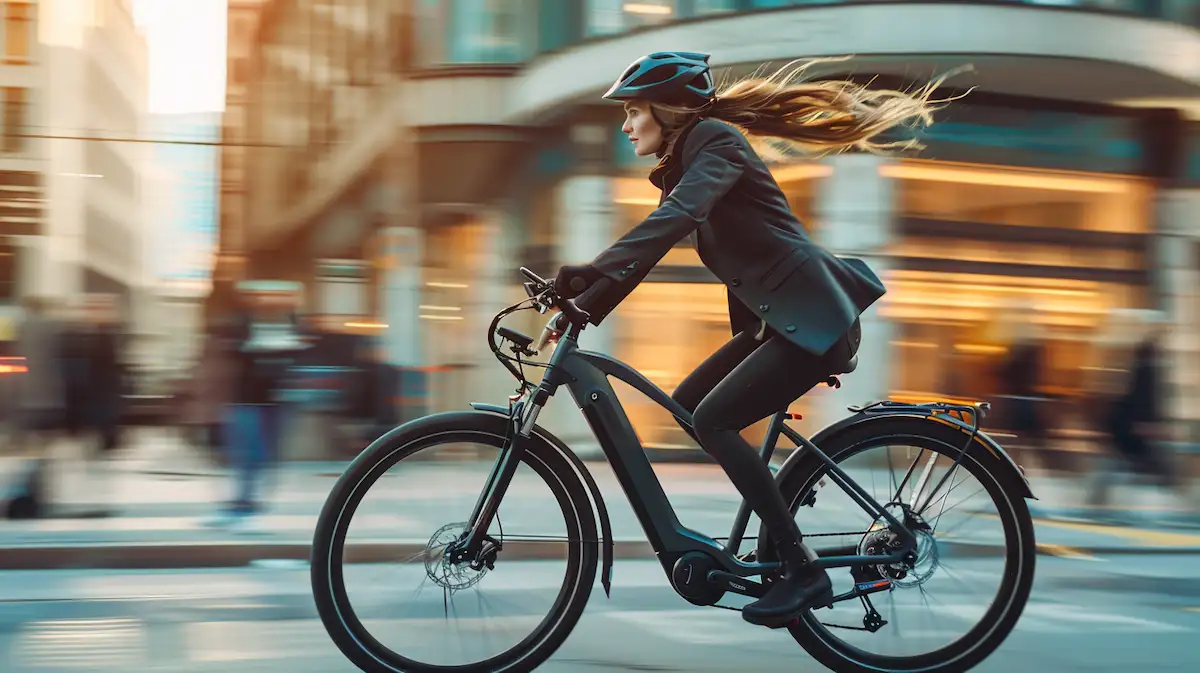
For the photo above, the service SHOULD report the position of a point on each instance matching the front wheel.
(508, 613)
(955, 601)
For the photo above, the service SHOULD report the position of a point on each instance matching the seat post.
(738, 533)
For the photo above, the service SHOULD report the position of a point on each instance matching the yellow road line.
(1063, 551)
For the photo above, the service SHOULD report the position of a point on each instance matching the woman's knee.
(707, 421)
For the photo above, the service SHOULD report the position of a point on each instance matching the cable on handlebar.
(543, 298)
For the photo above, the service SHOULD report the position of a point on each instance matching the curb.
(236, 554)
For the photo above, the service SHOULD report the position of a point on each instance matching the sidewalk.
(161, 493)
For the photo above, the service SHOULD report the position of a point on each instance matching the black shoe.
(802, 586)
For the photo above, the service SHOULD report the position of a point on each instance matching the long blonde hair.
(785, 113)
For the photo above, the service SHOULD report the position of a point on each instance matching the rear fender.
(918, 414)
(601, 510)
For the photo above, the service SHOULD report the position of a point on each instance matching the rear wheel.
(554, 568)
(908, 464)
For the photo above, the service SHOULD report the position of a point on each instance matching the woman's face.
(641, 127)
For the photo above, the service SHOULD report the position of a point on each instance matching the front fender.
(919, 414)
(597, 498)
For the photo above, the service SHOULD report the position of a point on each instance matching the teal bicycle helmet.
(671, 77)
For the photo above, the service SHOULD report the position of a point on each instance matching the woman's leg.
(692, 390)
(769, 379)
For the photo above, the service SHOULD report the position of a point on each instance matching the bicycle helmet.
(671, 77)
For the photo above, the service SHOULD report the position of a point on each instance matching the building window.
(703, 7)
(9, 264)
(237, 74)
(18, 31)
(15, 103)
(241, 32)
(606, 17)
(486, 31)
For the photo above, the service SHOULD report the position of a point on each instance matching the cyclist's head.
(653, 85)
(668, 90)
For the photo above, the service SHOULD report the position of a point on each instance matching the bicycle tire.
(329, 591)
(997, 477)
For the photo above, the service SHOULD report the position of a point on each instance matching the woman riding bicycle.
(793, 306)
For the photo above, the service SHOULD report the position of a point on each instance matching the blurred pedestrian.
(1020, 376)
(267, 344)
(40, 401)
(38, 414)
(1127, 398)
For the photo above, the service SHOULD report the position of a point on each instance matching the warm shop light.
(1000, 178)
(642, 8)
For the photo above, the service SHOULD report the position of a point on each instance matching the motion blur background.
(389, 164)
(1067, 185)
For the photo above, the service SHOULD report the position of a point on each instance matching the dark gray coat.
(717, 187)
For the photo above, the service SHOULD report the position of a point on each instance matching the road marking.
(1063, 551)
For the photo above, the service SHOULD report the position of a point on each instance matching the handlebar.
(542, 290)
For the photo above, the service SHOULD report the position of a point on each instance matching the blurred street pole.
(402, 232)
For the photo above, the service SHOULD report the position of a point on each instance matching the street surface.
(1128, 613)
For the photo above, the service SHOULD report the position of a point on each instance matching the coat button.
(791, 328)
(624, 272)
(764, 308)
(735, 282)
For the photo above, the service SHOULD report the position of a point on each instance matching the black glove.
(571, 280)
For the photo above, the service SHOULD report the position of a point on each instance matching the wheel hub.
(917, 566)
(446, 564)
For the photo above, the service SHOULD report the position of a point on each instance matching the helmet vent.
(655, 76)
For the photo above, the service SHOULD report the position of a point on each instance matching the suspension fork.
(521, 422)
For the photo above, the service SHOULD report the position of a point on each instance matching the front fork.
(475, 544)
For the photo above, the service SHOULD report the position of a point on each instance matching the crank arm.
(735, 584)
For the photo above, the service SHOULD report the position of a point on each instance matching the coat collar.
(668, 158)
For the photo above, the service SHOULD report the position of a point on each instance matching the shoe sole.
(824, 601)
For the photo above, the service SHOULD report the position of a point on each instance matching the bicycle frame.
(585, 374)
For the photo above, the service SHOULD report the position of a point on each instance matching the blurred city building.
(73, 216)
(182, 241)
(242, 22)
(1065, 186)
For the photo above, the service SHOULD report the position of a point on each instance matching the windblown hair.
(785, 113)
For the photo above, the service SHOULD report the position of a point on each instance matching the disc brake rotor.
(439, 568)
(880, 541)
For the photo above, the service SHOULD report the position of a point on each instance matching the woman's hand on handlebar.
(573, 280)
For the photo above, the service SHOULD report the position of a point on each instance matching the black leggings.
(745, 381)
